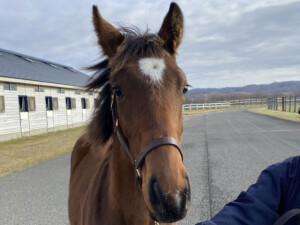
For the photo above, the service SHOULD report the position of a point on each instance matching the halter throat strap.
(137, 164)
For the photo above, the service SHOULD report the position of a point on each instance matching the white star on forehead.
(152, 67)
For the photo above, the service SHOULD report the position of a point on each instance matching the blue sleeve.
(261, 203)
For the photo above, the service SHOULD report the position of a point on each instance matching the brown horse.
(138, 116)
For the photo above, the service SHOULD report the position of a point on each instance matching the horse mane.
(135, 44)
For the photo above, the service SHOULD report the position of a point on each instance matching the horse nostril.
(155, 195)
(168, 207)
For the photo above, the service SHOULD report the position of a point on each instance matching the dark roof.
(16, 65)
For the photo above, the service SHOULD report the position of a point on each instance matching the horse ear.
(171, 30)
(109, 38)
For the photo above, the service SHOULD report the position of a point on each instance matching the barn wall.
(37, 119)
(15, 124)
(10, 118)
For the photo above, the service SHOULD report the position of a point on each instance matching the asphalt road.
(224, 153)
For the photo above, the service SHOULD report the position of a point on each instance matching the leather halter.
(138, 162)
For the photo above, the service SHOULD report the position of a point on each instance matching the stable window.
(6, 86)
(88, 105)
(77, 92)
(83, 103)
(31, 104)
(39, 89)
(10, 86)
(55, 103)
(2, 104)
(60, 90)
(73, 103)
(23, 103)
(68, 103)
(13, 87)
(49, 103)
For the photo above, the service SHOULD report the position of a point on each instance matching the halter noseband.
(138, 162)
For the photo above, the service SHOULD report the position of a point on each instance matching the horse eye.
(117, 92)
(185, 89)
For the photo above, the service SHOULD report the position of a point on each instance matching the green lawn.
(18, 154)
(292, 116)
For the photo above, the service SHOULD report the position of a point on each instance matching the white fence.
(205, 106)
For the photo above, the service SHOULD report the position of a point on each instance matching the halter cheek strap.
(137, 164)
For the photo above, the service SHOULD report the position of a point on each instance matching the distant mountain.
(277, 87)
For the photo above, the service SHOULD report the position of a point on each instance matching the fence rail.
(229, 103)
(205, 106)
(251, 101)
(287, 104)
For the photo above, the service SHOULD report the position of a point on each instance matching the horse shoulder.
(80, 150)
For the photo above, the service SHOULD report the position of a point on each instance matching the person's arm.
(260, 203)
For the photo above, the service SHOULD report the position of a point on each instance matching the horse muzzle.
(168, 207)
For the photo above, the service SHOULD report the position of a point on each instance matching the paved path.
(224, 153)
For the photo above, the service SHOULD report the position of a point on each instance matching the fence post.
(272, 100)
(282, 102)
(271, 103)
(295, 103)
(290, 104)
(285, 104)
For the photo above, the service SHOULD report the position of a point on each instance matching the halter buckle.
(117, 122)
(138, 172)
(156, 223)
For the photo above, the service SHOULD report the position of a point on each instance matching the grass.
(292, 116)
(18, 154)
(200, 111)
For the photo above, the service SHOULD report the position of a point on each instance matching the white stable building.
(38, 96)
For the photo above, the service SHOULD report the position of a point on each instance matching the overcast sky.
(226, 43)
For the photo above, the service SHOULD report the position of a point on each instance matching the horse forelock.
(136, 44)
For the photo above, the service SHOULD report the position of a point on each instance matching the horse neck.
(125, 189)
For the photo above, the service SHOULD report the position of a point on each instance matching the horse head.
(141, 81)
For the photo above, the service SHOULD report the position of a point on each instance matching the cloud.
(226, 43)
